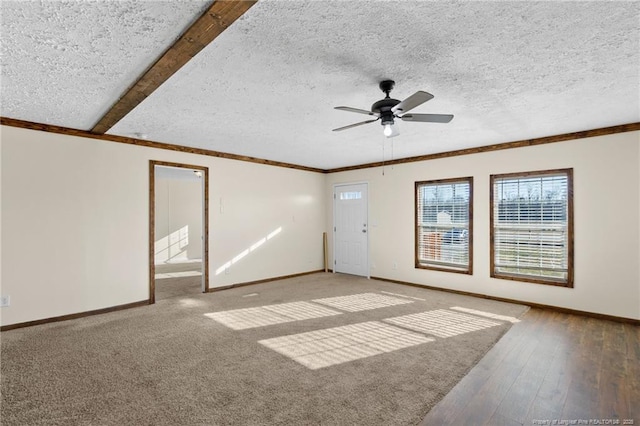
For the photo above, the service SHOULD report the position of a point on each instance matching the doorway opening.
(178, 230)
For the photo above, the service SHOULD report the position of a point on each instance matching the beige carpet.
(178, 279)
(320, 349)
(162, 268)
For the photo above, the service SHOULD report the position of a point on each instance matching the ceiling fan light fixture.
(387, 118)
(390, 130)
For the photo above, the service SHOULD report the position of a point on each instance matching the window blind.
(443, 231)
(530, 226)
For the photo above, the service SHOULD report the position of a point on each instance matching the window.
(351, 195)
(532, 227)
(444, 225)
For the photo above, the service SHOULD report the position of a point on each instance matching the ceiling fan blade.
(412, 101)
(354, 125)
(358, 110)
(428, 118)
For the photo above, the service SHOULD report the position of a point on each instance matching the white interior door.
(351, 229)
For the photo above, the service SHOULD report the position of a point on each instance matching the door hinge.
(334, 229)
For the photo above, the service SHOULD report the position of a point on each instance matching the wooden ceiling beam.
(204, 30)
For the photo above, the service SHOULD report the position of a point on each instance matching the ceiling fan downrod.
(387, 86)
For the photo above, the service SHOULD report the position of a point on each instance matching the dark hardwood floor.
(551, 366)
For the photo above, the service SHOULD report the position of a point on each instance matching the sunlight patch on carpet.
(486, 314)
(188, 302)
(241, 319)
(442, 323)
(402, 295)
(361, 302)
(323, 348)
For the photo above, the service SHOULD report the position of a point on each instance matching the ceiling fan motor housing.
(383, 107)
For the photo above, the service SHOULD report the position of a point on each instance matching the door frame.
(335, 186)
(152, 222)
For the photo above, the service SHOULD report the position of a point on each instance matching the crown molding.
(603, 131)
(631, 127)
(147, 143)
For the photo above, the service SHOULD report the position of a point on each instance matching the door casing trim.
(152, 227)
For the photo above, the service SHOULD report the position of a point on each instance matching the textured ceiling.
(267, 86)
(67, 62)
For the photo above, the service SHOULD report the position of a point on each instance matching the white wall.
(75, 222)
(178, 219)
(607, 229)
(269, 222)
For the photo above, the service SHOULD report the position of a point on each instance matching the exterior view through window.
(532, 227)
(444, 225)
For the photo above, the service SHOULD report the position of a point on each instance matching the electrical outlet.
(395, 265)
(5, 301)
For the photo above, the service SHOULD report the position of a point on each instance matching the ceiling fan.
(389, 109)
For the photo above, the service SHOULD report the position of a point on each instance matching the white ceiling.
(267, 86)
